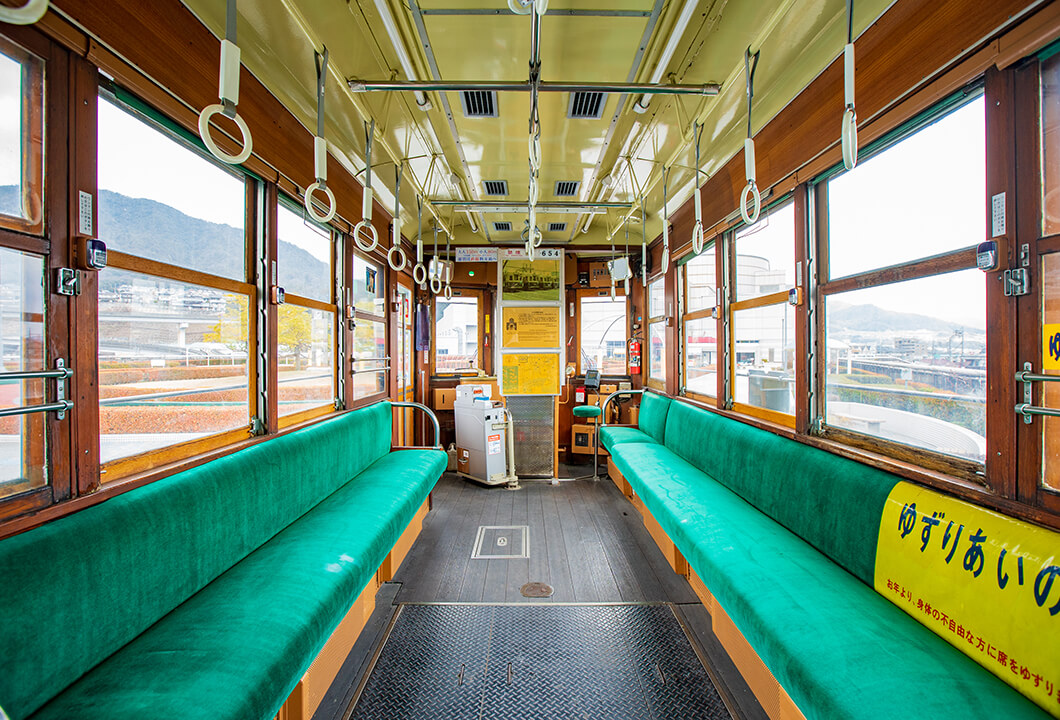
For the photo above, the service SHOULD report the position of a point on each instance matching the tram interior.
(531, 359)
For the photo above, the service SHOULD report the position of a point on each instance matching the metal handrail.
(430, 414)
(603, 412)
(62, 407)
(63, 372)
(1027, 410)
(378, 358)
(1028, 376)
(370, 370)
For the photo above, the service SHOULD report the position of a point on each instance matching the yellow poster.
(530, 374)
(1051, 346)
(985, 582)
(530, 327)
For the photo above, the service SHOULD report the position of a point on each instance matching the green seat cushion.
(653, 410)
(86, 584)
(611, 435)
(832, 502)
(837, 647)
(587, 411)
(236, 649)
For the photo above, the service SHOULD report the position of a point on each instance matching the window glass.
(907, 362)
(306, 358)
(368, 286)
(603, 335)
(456, 335)
(920, 197)
(701, 356)
(22, 440)
(765, 254)
(1051, 142)
(657, 351)
(764, 357)
(21, 119)
(656, 298)
(700, 281)
(160, 200)
(303, 254)
(172, 362)
(369, 363)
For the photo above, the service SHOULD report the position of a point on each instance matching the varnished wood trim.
(761, 301)
(305, 302)
(132, 263)
(23, 242)
(954, 261)
(124, 467)
(298, 418)
(771, 416)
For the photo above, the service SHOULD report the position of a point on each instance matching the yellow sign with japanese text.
(987, 583)
(530, 327)
(1051, 346)
(530, 374)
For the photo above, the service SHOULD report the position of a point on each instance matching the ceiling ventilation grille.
(503, 226)
(497, 188)
(588, 105)
(567, 188)
(479, 103)
(557, 227)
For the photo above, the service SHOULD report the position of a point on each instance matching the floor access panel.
(493, 662)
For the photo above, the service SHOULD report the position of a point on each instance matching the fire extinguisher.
(634, 356)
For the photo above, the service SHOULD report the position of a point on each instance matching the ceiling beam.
(361, 86)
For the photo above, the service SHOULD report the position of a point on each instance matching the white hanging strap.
(750, 191)
(320, 150)
(228, 92)
(396, 252)
(666, 223)
(419, 272)
(448, 268)
(697, 229)
(643, 247)
(435, 270)
(849, 132)
(364, 232)
(26, 14)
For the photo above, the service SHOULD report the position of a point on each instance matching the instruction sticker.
(493, 444)
(1051, 346)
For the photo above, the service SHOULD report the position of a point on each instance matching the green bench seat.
(208, 593)
(784, 536)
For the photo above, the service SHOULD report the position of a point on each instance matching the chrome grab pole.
(1025, 408)
(61, 405)
(430, 413)
(612, 396)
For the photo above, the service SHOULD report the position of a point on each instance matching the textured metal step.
(494, 662)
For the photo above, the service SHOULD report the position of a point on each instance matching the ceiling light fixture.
(422, 100)
(671, 45)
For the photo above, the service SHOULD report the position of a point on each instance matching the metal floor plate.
(495, 662)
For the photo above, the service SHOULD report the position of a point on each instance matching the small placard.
(476, 254)
(997, 215)
(84, 214)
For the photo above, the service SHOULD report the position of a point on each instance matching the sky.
(10, 121)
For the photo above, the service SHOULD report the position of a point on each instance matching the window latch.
(1017, 282)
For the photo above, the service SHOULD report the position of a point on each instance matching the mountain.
(151, 229)
(869, 318)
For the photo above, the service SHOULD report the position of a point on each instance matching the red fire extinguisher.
(634, 356)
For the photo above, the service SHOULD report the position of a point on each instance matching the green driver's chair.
(588, 412)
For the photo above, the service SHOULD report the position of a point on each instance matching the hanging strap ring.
(311, 209)
(448, 293)
(365, 229)
(697, 238)
(517, 7)
(850, 138)
(535, 150)
(436, 284)
(750, 192)
(27, 14)
(395, 266)
(419, 273)
(204, 132)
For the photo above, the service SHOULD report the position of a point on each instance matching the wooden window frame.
(480, 299)
(712, 312)
(284, 421)
(921, 268)
(579, 295)
(358, 315)
(651, 381)
(32, 142)
(124, 467)
(733, 306)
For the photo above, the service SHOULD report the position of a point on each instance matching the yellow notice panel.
(531, 327)
(1051, 346)
(530, 374)
(988, 584)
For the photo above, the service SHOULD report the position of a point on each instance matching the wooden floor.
(585, 540)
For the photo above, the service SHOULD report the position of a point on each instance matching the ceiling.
(446, 156)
